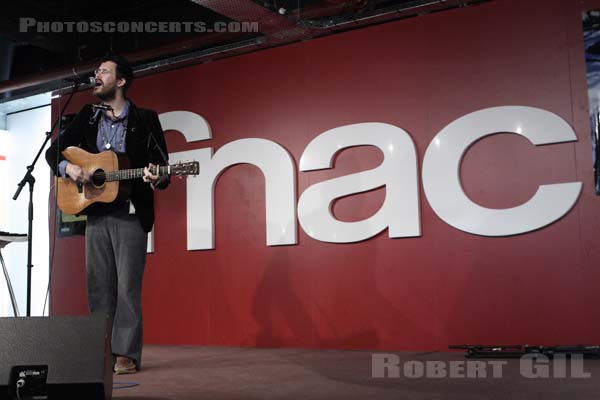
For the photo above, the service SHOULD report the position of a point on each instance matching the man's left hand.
(149, 177)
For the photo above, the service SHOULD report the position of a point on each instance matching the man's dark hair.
(124, 70)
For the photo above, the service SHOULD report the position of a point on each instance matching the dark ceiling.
(44, 41)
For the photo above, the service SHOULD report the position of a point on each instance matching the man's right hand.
(77, 173)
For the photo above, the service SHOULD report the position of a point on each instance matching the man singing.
(116, 234)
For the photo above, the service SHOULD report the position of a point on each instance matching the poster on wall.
(591, 36)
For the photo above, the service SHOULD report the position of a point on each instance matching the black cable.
(52, 234)
(51, 255)
(124, 385)
(55, 213)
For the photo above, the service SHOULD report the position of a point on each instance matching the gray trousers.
(115, 249)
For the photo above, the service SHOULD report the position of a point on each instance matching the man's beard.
(108, 95)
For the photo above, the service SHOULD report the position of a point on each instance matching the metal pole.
(10, 288)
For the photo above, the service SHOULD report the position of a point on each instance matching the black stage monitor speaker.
(55, 358)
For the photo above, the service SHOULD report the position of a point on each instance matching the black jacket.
(140, 150)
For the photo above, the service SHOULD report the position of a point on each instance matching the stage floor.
(188, 372)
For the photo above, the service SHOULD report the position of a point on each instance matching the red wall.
(445, 287)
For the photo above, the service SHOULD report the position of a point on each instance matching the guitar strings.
(101, 175)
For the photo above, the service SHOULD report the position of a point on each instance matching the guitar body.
(73, 198)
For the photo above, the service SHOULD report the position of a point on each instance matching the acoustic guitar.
(107, 183)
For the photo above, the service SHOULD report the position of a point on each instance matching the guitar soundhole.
(99, 178)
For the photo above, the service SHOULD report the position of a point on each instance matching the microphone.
(82, 80)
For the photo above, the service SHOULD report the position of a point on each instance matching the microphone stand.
(29, 179)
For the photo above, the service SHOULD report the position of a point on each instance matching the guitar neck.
(125, 174)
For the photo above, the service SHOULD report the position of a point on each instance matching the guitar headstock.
(185, 168)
